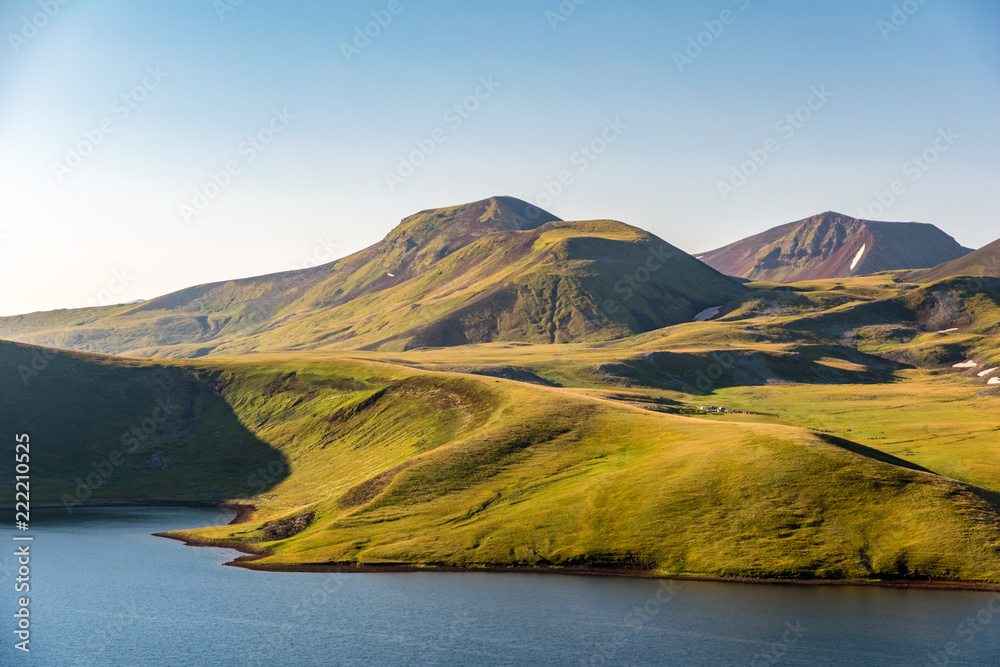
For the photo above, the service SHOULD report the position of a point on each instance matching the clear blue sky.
(319, 188)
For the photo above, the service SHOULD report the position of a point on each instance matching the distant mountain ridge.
(984, 262)
(498, 269)
(832, 245)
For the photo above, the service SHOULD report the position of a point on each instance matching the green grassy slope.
(941, 323)
(113, 430)
(506, 474)
(191, 321)
(492, 270)
(373, 456)
(866, 359)
(361, 462)
(938, 419)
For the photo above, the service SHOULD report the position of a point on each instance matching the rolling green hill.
(357, 462)
(105, 429)
(495, 270)
(493, 387)
(937, 324)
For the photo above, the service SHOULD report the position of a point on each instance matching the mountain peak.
(496, 214)
(424, 238)
(427, 236)
(834, 245)
(833, 217)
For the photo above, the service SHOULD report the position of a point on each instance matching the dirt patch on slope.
(281, 529)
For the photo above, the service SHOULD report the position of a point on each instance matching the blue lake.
(104, 591)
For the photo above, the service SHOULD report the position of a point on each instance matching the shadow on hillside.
(504, 372)
(702, 373)
(871, 453)
(104, 430)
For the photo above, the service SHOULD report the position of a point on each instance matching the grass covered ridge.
(498, 473)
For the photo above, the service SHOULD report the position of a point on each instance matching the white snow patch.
(707, 314)
(988, 372)
(857, 258)
(994, 381)
(966, 364)
(948, 330)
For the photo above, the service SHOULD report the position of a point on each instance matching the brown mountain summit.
(832, 245)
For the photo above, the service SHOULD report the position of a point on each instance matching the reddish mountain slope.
(832, 245)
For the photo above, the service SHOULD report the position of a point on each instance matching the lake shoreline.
(244, 512)
(252, 555)
(170, 602)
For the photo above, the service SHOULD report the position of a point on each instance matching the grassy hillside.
(111, 430)
(521, 475)
(930, 326)
(938, 420)
(496, 270)
(361, 462)
(859, 441)
(802, 355)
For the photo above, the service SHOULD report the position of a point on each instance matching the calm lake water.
(105, 592)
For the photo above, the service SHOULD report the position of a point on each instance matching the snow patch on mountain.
(857, 258)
